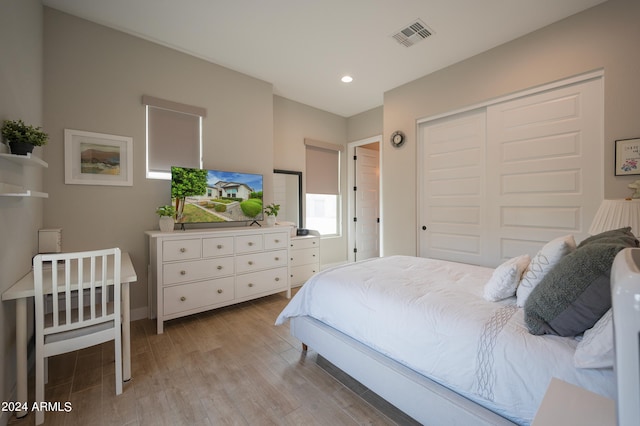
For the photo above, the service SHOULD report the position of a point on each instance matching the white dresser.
(305, 257)
(197, 270)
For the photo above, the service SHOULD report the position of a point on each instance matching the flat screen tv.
(210, 196)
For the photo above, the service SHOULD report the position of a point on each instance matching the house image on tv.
(229, 189)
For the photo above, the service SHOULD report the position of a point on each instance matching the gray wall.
(293, 122)
(94, 78)
(20, 218)
(365, 125)
(601, 38)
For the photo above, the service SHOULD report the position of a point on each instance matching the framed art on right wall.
(627, 157)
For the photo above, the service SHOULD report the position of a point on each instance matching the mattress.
(430, 315)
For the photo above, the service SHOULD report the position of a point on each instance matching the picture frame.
(627, 158)
(97, 159)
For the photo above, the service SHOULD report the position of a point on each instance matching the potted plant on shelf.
(166, 214)
(271, 211)
(22, 138)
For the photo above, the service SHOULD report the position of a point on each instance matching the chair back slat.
(80, 293)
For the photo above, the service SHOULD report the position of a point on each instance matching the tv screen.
(209, 196)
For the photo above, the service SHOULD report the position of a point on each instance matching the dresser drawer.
(275, 241)
(305, 256)
(219, 246)
(300, 274)
(174, 273)
(192, 296)
(260, 282)
(249, 243)
(305, 242)
(181, 249)
(258, 261)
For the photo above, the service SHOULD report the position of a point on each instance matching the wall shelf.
(25, 160)
(9, 190)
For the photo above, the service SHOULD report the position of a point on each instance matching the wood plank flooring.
(230, 366)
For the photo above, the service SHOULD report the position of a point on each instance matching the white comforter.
(430, 316)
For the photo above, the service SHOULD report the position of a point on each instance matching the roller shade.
(173, 134)
(322, 167)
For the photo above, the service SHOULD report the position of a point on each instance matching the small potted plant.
(271, 211)
(166, 214)
(22, 138)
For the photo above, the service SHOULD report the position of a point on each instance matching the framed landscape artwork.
(97, 158)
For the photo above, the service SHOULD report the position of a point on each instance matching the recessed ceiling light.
(347, 79)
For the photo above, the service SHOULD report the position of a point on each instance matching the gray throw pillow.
(576, 292)
(622, 235)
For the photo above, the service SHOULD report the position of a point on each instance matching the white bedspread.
(430, 316)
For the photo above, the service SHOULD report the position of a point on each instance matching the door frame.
(351, 196)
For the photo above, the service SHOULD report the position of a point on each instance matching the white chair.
(73, 309)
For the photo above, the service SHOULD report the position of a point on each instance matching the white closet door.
(452, 188)
(544, 163)
(501, 181)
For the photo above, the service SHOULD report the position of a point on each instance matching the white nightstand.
(305, 257)
(566, 404)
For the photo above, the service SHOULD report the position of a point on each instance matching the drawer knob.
(250, 243)
(277, 278)
(277, 258)
(219, 267)
(182, 299)
(219, 246)
(277, 241)
(314, 255)
(219, 291)
(182, 249)
(250, 284)
(183, 272)
(313, 242)
(250, 262)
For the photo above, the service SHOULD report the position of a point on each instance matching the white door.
(452, 188)
(544, 155)
(502, 181)
(366, 203)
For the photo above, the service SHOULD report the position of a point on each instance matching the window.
(174, 136)
(323, 187)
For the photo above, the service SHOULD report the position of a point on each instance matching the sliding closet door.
(544, 154)
(503, 180)
(452, 187)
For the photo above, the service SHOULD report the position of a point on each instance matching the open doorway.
(364, 239)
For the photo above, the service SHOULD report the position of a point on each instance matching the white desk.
(24, 289)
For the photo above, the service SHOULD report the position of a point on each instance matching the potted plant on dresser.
(166, 214)
(21, 137)
(271, 211)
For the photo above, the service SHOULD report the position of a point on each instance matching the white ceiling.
(303, 47)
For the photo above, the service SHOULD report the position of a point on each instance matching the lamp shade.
(615, 214)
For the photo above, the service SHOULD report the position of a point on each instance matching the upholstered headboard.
(625, 293)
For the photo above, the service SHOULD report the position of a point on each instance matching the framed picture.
(627, 157)
(97, 159)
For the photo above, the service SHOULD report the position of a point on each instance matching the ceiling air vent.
(413, 33)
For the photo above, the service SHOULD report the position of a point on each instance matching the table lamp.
(615, 214)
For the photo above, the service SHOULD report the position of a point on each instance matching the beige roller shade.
(173, 134)
(322, 167)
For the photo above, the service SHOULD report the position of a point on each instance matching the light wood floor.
(230, 366)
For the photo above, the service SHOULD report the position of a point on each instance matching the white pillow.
(548, 256)
(505, 278)
(596, 348)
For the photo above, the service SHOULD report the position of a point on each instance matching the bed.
(422, 335)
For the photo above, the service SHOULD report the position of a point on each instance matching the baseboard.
(139, 313)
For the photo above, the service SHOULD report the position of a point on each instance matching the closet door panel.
(452, 187)
(544, 154)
